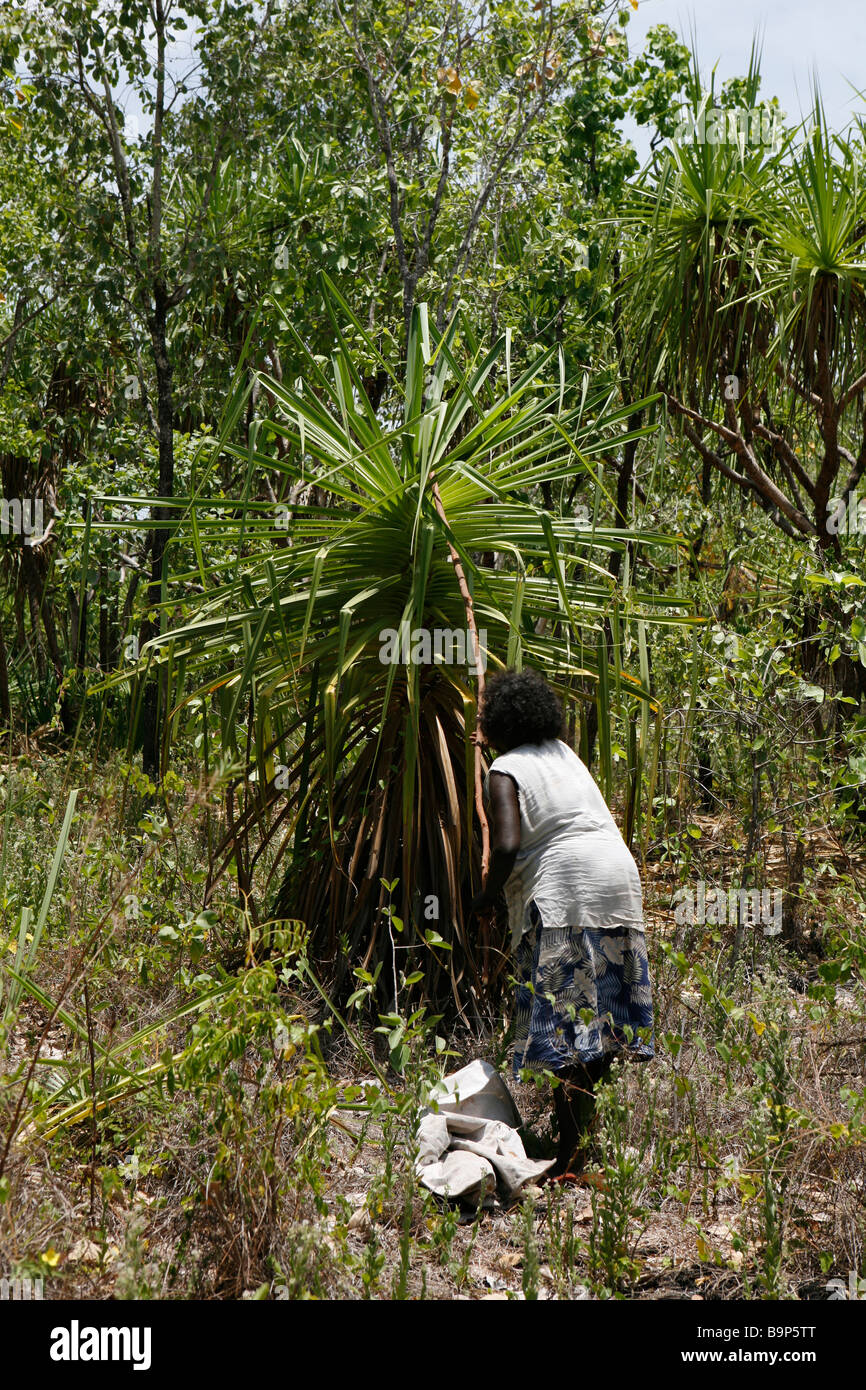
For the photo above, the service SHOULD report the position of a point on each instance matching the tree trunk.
(151, 713)
(5, 709)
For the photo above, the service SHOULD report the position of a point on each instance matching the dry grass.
(163, 1198)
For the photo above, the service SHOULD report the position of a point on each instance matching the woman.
(574, 905)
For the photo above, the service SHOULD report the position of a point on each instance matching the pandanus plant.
(692, 232)
(745, 281)
(360, 741)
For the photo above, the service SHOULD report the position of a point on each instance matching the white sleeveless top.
(572, 862)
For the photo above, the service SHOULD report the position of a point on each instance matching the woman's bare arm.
(504, 838)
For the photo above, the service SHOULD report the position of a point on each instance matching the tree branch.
(754, 472)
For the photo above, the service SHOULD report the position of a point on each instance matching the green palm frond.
(694, 231)
(376, 754)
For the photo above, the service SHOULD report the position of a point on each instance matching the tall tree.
(79, 56)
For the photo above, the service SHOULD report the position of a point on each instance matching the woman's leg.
(574, 1100)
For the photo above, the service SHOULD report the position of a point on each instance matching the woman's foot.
(582, 1178)
(570, 1163)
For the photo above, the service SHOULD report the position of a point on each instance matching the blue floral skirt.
(581, 995)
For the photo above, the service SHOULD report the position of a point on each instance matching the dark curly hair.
(519, 707)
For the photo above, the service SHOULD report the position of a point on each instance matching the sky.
(799, 39)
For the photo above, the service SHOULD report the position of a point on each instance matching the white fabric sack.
(466, 1176)
(476, 1089)
(471, 1145)
(433, 1139)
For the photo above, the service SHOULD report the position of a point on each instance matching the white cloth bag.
(468, 1142)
